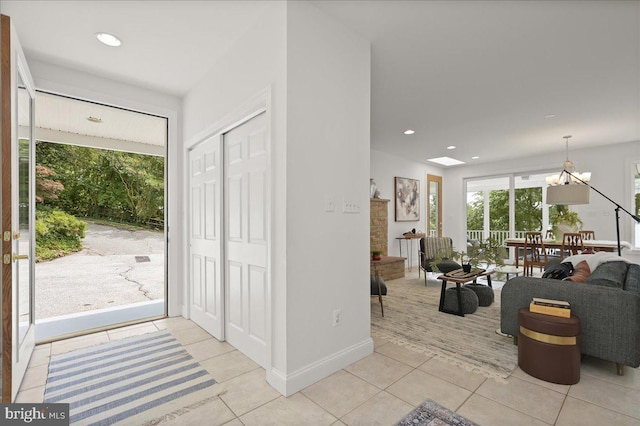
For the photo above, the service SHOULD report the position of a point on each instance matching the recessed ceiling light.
(549, 116)
(475, 157)
(409, 132)
(446, 161)
(451, 147)
(94, 119)
(108, 39)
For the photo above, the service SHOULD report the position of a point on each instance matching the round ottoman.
(484, 293)
(469, 300)
(548, 347)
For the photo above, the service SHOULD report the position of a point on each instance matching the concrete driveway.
(106, 273)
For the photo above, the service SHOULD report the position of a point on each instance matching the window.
(506, 206)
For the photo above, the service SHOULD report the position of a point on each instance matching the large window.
(506, 206)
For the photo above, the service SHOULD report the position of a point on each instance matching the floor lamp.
(573, 193)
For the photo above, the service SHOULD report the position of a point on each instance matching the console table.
(409, 238)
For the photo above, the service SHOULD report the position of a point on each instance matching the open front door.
(18, 213)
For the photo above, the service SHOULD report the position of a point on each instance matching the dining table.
(594, 245)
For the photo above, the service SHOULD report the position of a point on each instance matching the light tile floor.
(377, 390)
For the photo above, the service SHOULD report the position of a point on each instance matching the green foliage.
(483, 254)
(488, 252)
(116, 186)
(475, 211)
(57, 233)
(563, 220)
(46, 188)
(528, 214)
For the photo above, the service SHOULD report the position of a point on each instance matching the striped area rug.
(108, 383)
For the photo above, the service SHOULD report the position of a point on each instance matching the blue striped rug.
(107, 383)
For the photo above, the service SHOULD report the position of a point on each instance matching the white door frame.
(260, 103)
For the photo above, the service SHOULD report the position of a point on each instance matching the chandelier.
(568, 188)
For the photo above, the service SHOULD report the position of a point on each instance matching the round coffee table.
(509, 270)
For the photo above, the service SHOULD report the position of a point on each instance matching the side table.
(509, 270)
(409, 239)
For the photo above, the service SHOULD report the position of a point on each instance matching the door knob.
(17, 257)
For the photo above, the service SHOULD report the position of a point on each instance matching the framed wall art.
(407, 199)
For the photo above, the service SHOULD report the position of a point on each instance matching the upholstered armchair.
(432, 248)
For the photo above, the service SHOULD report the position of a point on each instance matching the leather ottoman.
(548, 347)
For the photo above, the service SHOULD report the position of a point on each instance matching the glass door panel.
(434, 206)
(17, 192)
(24, 237)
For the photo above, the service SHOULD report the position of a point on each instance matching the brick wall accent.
(379, 225)
(390, 267)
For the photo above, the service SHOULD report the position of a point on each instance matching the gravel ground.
(104, 274)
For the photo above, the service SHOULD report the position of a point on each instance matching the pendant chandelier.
(565, 188)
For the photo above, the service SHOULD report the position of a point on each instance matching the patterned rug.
(430, 413)
(411, 319)
(107, 383)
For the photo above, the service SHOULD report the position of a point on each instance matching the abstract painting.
(407, 199)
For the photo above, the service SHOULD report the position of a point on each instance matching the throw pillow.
(559, 271)
(580, 272)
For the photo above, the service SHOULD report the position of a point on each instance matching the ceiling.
(82, 118)
(479, 75)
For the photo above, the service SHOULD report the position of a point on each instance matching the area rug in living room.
(411, 319)
(430, 413)
(120, 379)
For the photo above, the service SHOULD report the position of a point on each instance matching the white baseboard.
(288, 384)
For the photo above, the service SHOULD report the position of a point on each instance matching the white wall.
(328, 109)
(257, 62)
(611, 173)
(70, 82)
(384, 168)
(318, 75)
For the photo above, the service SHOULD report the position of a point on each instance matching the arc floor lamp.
(578, 193)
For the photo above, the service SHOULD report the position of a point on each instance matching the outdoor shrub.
(57, 233)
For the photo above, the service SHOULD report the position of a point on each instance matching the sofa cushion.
(633, 279)
(374, 286)
(610, 274)
(580, 273)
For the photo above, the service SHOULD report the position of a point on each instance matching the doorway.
(229, 236)
(434, 205)
(100, 215)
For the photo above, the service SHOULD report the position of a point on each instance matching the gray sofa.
(607, 303)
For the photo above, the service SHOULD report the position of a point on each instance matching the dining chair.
(549, 235)
(572, 244)
(588, 235)
(535, 253)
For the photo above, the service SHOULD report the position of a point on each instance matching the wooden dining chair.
(549, 235)
(572, 244)
(535, 253)
(588, 235)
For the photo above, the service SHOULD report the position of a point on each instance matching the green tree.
(112, 185)
(528, 214)
(475, 211)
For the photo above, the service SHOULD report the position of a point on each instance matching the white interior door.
(205, 199)
(18, 211)
(246, 237)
